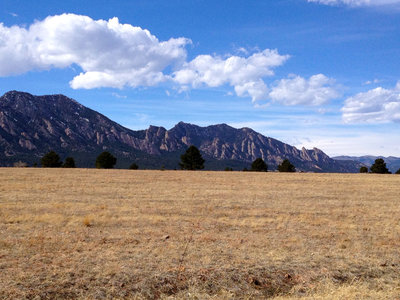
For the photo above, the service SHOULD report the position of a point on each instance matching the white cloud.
(117, 95)
(110, 54)
(117, 55)
(245, 74)
(369, 82)
(296, 90)
(327, 134)
(374, 106)
(352, 142)
(356, 2)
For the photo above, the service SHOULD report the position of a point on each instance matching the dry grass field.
(102, 234)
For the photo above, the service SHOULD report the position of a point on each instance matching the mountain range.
(30, 126)
(392, 163)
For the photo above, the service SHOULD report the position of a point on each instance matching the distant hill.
(31, 125)
(392, 163)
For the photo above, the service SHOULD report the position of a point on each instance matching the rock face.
(227, 143)
(32, 125)
(36, 124)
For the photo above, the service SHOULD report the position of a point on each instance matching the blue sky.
(313, 73)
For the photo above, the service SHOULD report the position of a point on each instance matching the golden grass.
(77, 233)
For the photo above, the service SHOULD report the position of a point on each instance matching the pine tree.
(379, 167)
(286, 166)
(192, 159)
(105, 161)
(69, 163)
(51, 160)
(259, 165)
(133, 166)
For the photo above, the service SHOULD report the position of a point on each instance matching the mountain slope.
(392, 163)
(225, 142)
(32, 125)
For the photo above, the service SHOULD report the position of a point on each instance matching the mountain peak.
(12, 94)
(222, 126)
(184, 124)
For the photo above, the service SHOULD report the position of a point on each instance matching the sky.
(311, 73)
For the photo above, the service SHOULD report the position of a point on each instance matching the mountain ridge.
(392, 162)
(32, 125)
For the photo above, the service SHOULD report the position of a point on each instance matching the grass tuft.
(87, 221)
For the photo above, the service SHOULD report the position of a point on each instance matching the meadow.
(123, 234)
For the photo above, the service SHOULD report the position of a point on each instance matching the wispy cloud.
(355, 3)
(117, 95)
(328, 134)
(369, 82)
(352, 142)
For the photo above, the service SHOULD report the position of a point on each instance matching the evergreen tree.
(192, 159)
(286, 166)
(133, 166)
(69, 163)
(51, 160)
(105, 161)
(259, 165)
(379, 167)
(363, 169)
(398, 171)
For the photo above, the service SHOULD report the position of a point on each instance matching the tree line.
(192, 160)
(378, 167)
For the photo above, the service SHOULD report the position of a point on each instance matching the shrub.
(87, 221)
(259, 165)
(51, 160)
(105, 161)
(286, 166)
(228, 169)
(363, 169)
(69, 163)
(20, 164)
(398, 171)
(379, 167)
(133, 166)
(192, 159)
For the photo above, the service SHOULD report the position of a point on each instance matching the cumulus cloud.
(296, 90)
(374, 106)
(243, 73)
(110, 54)
(357, 2)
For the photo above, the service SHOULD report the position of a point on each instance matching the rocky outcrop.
(32, 125)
